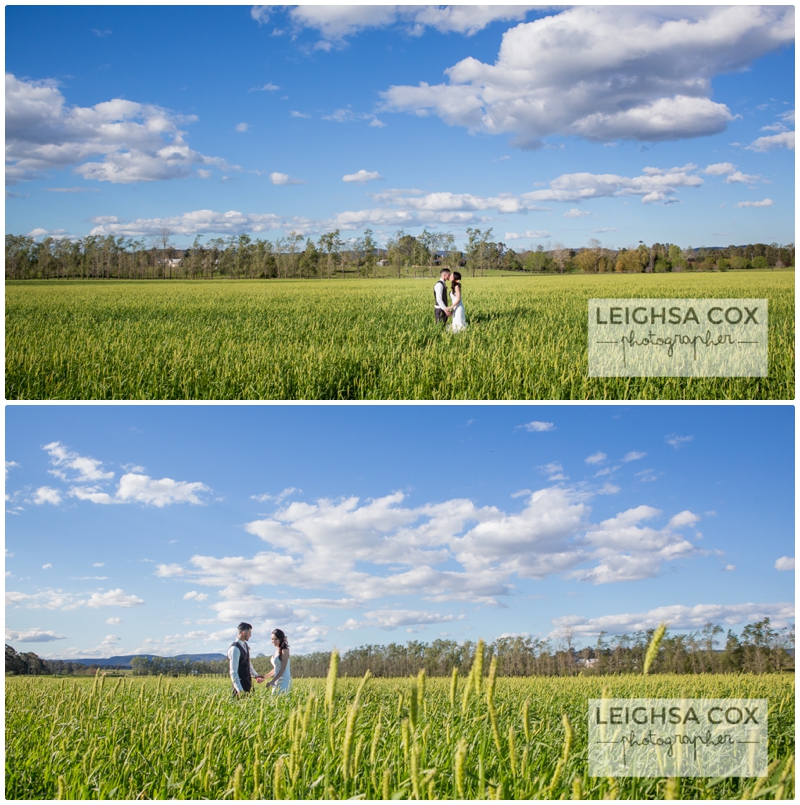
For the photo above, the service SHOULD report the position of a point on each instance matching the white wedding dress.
(285, 682)
(458, 322)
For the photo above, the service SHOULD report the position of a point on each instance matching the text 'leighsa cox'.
(678, 338)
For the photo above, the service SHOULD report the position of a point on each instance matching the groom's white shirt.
(440, 293)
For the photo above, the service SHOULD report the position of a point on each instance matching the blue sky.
(136, 528)
(557, 125)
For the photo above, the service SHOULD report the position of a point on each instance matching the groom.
(440, 308)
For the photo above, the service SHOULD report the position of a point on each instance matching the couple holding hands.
(242, 671)
(455, 310)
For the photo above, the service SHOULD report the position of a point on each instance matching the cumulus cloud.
(362, 176)
(60, 600)
(335, 23)
(529, 233)
(82, 468)
(135, 142)
(783, 140)
(678, 441)
(193, 595)
(634, 455)
(767, 202)
(90, 483)
(113, 598)
(241, 128)
(576, 213)
(46, 494)
(653, 185)
(538, 427)
(283, 179)
(231, 222)
(391, 619)
(446, 551)
(784, 563)
(628, 550)
(604, 73)
(158, 492)
(32, 636)
(596, 458)
(719, 169)
(678, 616)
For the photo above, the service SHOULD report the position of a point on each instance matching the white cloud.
(608, 489)
(767, 202)
(46, 494)
(719, 169)
(634, 455)
(684, 518)
(604, 73)
(362, 176)
(335, 23)
(283, 179)
(679, 616)
(783, 140)
(193, 595)
(113, 598)
(391, 619)
(190, 223)
(290, 490)
(729, 568)
(784, 563)
(136, 142)
(554, 471)
(529, 233)
(85, 468)
(47, 566)
(446, 551)
(113, 621)
(98, 564)
(654, 184)
(678, 441)
(32, 636)
(241, 128)
(742, 178)
(268, 87)
(539, 427)
(596, 458)
(576, 213)
(163, 492)
(629, 551)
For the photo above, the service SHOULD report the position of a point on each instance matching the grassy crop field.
(148, 738)
(354, 339)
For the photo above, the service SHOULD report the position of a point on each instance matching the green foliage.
(332, 340)
(146, 738)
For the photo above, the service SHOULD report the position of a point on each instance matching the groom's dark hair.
(444, 271)
(243, 627)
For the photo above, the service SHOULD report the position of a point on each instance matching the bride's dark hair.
(456, 277)
(282, 640)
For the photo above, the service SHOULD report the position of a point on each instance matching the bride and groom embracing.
(455, 310)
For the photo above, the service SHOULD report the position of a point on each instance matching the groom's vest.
(444, 292)
(244, 665)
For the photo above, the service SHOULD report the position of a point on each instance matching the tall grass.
(379, 738)
(343, 340)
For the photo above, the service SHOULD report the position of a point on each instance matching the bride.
(281, 676)
(458, 322)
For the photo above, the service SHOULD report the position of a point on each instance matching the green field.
(354, 339)
(132, 738)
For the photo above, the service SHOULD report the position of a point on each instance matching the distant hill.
(124, 661)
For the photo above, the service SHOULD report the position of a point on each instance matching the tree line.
(405, 255)
(759, 649)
